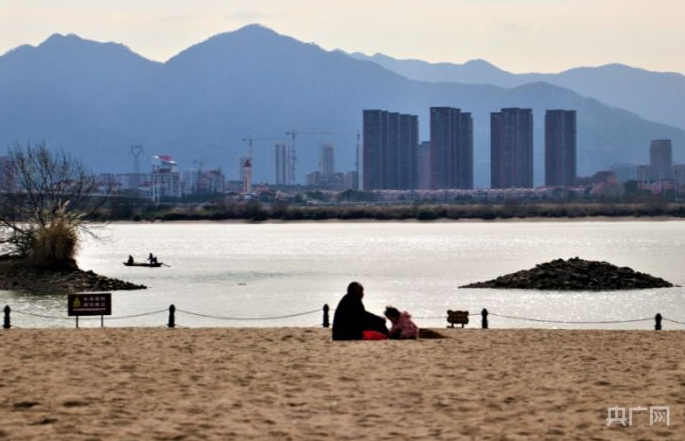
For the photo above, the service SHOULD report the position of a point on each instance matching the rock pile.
(575, 275)
(18, 278)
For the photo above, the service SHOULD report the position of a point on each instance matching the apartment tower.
(389, 152)
(511, 148)
(560, 148)
(451, 148)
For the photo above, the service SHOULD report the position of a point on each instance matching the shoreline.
(535, 219)
(295, 383)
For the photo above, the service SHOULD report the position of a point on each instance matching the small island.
(20, 275)
(575, 274)
(44, 213)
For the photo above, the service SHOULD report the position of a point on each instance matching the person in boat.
(351, 318)
(154, 260)
(151, 258)
(130, 260)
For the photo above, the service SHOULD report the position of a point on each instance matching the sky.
(516, 35)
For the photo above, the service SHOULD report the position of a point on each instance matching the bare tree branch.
(41, 190)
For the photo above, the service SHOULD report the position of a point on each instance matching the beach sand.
(288, 383)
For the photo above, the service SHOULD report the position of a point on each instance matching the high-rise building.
(281, 164)
(679, 175)
(511, 148)
(351, 181)
(661, 159)
(624, 172)
(241, 163)
(451, 148)
(327, 159)
(247, 176)
(423, 166)
(408, 144)
(643, 173)
(560, 148)
(166, 179)
(389, 152)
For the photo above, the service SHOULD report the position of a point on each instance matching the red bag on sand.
(373, 335)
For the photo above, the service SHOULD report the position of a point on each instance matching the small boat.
(148, 264)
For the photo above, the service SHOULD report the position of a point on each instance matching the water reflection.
(248, 270)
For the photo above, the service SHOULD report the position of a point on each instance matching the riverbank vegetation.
(256, 211)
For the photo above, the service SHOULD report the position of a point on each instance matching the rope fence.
(452, 317)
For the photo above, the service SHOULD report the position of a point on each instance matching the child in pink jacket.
(402, 325)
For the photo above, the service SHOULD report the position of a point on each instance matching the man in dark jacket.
(351, 319)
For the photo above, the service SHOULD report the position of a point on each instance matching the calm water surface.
(267, 270)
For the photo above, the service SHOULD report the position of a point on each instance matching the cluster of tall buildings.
(326, 177)
(166, 180)
(660, 169)
(393, 158)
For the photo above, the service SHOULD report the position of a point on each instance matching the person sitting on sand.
(402, 325)
(351, 318)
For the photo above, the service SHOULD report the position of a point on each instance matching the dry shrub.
(55, 245)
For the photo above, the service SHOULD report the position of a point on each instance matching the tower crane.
(251, 139)
(250, 142)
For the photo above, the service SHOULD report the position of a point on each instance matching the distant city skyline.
(515, 35)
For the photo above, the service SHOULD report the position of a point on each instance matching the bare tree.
(46, 199)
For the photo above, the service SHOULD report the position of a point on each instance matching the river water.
(244, 274)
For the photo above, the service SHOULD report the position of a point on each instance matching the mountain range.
(656, 96)
(96, 99)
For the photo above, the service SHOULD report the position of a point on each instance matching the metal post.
(172, 316)
(6, 322)
(102, 321)
(657, 325)
(76, 322)
(326, 321)
(484, 322)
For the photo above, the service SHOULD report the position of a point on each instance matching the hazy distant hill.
(96, 99)
(657, 96)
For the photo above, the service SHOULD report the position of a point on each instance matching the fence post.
(484, 323)
(6, 322)
(326, 321)
(172, 316)
(657, 325)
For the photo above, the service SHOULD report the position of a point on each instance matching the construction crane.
(250, 142)
(294, 133)
(251, 139)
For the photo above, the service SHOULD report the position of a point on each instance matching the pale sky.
(516, 35)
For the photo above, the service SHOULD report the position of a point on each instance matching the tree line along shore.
(256, 211)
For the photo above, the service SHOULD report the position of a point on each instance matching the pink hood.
(405, 326)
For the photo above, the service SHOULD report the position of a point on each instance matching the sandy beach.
(296, 384)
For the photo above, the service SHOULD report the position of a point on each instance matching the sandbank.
(296, 384)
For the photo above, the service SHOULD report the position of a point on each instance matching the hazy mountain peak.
(252, 33)
(479, 62)
(256, 29)
(57, 38)
(244, 43)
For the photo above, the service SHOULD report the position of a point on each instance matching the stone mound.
(17, 277)
(575, 275)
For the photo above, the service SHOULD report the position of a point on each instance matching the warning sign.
(90, 304)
